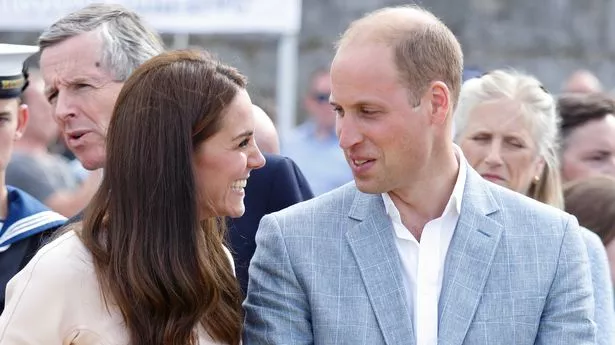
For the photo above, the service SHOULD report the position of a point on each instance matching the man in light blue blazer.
(419, 249)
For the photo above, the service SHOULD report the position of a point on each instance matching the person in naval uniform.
(25, 222)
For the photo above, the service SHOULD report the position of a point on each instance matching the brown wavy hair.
(155, 258)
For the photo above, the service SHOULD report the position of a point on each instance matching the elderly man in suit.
(419, 249)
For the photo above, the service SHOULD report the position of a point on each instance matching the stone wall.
(549, 38)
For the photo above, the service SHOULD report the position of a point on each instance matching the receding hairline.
(387, 24)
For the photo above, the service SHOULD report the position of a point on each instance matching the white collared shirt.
(423, 263)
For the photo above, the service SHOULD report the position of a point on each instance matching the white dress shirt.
(423, 263)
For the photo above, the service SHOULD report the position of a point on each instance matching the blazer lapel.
(374, 250)
(468, 260)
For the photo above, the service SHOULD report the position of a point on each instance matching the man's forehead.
(79, 55)
(9, 105)
(372, 66)
(361, 53)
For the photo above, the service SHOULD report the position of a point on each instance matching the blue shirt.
(320, 159)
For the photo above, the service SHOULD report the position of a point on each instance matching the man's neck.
(427, 197)
(4, 199)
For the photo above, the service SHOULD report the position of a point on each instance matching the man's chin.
(91, 163)
(368, 187)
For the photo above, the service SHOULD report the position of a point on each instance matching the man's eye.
(599, 156)
(52, 97)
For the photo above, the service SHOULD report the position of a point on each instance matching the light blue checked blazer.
(326, 271)
(603, 288)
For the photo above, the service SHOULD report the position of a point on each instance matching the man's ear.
(22, 121)
(440, 102)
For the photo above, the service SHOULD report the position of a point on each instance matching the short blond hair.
(425, 49)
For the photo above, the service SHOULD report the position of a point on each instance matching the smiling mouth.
(360, 162)
(239, 185)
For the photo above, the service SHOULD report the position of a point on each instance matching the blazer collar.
(466, 268)
(468, 260)
(372, 244)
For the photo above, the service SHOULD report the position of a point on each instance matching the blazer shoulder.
(527, 213)
(591, 239)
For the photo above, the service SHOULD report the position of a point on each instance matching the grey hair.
(537, 106)
(539, 109)
(127, 40)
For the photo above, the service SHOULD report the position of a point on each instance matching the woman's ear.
(539, 167)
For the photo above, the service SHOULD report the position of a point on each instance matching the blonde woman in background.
(507, 127)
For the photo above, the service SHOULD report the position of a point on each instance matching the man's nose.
(347, 131)
(62, 109)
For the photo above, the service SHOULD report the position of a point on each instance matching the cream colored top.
(56, 299)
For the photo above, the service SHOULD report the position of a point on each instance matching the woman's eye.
(244, 143)
(516, 144)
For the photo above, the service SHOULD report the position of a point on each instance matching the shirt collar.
(454, 201)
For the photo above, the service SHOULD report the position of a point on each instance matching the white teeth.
(359, 162)
(239, 184)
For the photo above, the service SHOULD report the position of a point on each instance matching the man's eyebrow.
(357, 104)
(80, 80)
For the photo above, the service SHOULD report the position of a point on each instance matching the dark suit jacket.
(275, 186)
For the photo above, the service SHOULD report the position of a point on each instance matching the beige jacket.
(56, 300)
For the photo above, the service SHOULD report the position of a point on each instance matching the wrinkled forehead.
(502, 115)
(78, 56)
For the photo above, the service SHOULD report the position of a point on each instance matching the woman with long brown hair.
(147, 266)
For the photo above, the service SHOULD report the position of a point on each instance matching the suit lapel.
(468, 260)
(374, 250)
